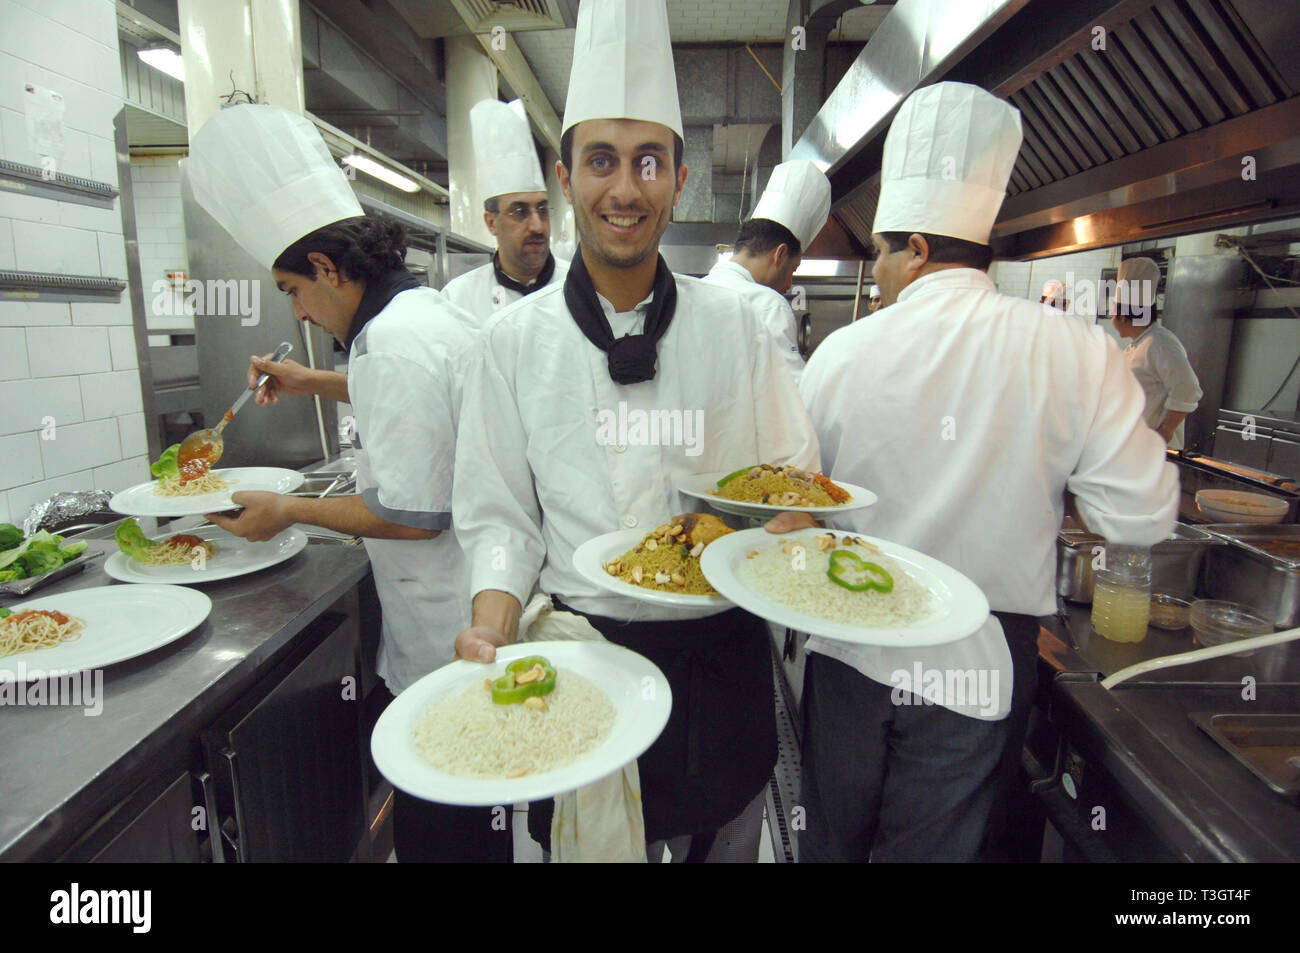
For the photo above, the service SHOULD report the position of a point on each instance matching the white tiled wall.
(1025, 279)
(160, 227)
(70, 402)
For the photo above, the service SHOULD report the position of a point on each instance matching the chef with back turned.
(769, 247)
(515, 210)
(537, 474)
(970, 416)
(266, 176)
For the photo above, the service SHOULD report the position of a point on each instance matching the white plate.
(141, 500)
(121, 623)
(234, 557)
(699, 484)
(622, 674)
(960, 610)
(590, 558)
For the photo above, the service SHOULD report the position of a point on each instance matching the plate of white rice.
(445, 740)
(783, 578)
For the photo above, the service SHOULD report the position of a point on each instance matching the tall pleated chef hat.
(798, 196)
(1146, 273)
(267, 177)
(947, 161)
(504, 155)
(1054, 289)
(623, 65)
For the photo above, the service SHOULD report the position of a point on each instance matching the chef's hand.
(788, 522)
(287, 377)
(265, 514)
(479, 643)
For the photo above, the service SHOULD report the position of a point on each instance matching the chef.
(515, 210)
(1054, 295)
(970, 416)
(538, 473)
(267, 177)
(1154, 353)
(873, 299)
(790, 213)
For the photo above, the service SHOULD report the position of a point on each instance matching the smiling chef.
(267, 177)
(971, 417)
(515, 210)
(535, 479)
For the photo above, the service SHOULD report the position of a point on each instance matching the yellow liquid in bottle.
(1120, 613)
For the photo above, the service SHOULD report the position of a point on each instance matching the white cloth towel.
(602, 821)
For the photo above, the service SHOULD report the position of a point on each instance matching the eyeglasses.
(522, 213)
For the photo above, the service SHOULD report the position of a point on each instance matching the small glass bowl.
(1216, 622)
(1170, 612)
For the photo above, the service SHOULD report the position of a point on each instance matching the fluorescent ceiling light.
(165, 60)
(817, 268)
(383, 173)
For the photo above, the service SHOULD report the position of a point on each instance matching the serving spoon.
(201, 450)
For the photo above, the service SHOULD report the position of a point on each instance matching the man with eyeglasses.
(515, 210)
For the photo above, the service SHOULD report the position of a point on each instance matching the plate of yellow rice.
(661, 566)
(766, 489)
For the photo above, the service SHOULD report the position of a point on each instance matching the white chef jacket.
(405, 372)
(770, 306)
(479, 292)
(535, 478)
(1160, 364)
(969, 415)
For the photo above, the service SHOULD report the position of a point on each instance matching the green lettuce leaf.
(10, 536)
(132, 541)
(167, 467)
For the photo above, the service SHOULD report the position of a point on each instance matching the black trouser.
(428, 832)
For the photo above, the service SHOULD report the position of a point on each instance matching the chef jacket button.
(629, 521)
(620, 448)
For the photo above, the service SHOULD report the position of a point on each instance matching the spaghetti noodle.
(178, 550)
(37, 629)
(176, 486)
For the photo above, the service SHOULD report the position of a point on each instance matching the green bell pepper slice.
(506, 692)
(852, 572)
(731, 476)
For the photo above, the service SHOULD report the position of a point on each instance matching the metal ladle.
(207, 444)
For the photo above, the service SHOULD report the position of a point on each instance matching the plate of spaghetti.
(91, 628)
(205, 555)
(193, 491)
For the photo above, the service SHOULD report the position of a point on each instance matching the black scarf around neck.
(631, 357)
(543, 277)
(380, 290)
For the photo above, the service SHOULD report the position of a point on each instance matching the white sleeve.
(785, 431)
(409, 416)
(498, 519)
(779, 317)
(1126, 490)
(1169, 361)
(816, 394)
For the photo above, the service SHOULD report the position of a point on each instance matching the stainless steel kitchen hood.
(1142, 118)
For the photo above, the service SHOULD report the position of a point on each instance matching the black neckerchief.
(543, 277)
(380, 290)
(631, 357)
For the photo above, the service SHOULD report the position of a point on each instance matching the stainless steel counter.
(63, 770)
(1134, 751)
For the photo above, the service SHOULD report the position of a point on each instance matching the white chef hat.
(623, 65)
(266, 176)
(1054, 289)
(798, 196)
(1140, 276)
(874, 292)
(948, 157)
(505, 159)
